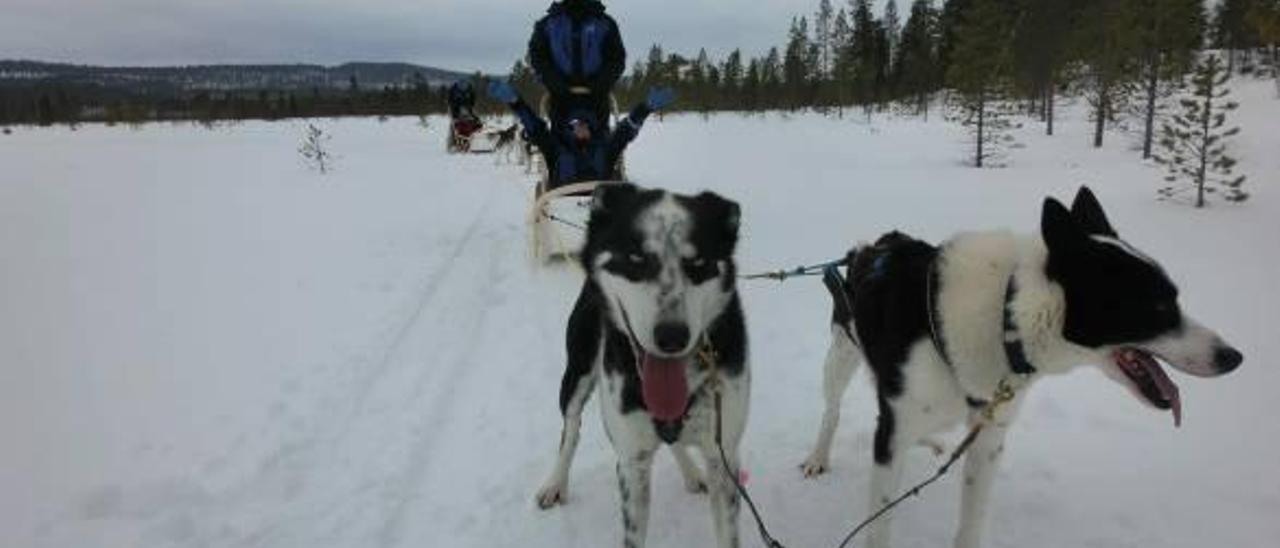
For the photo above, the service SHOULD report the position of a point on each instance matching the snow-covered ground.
(202, 343)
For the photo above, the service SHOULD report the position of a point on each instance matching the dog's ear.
(1061, 232)
(607, 200)
(1087, 211)
(608, 196)
(724, 215)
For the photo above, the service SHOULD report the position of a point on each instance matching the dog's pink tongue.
(665, 389)
(1169, 391)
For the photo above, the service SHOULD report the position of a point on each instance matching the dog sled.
(558, 220)
(467, 134)
(558, 217)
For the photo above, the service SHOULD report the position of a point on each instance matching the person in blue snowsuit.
(462, 100)
(577, 52)
(582, 149)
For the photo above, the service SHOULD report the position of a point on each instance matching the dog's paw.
(554, 494)
(695, 484)
(814, 466)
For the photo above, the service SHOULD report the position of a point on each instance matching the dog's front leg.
(575, 393)
(725, 502)
(979, 472)
(582, 342)
(633, 486)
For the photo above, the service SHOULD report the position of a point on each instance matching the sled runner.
(558, 220)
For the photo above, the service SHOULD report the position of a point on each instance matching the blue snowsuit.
(462, 99)
(577, 45)
(571, 162)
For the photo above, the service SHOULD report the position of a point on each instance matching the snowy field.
(202, 343)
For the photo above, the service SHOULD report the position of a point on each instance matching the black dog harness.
(1015, 352)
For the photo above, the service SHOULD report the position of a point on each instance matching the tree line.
(47, 102)
(982, 56)
(1124, 57)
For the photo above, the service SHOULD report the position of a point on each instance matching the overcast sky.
(458, 34)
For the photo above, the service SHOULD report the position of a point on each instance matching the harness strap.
(838, 287)
(1014, 351)
(931, 302)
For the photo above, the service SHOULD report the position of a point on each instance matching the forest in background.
(979, 56)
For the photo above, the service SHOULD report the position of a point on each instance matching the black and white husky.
(942, 326)
(660, 291)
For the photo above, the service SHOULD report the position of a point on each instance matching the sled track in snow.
(450, 381)
(401, 493)
(430, 289)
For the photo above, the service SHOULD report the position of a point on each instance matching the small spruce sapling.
(315, 149)
(1193, 142)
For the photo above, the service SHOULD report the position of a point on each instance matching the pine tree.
(315, 149)
(1040, 50)
(731, 73)
(1108, 47)
(841, 34)
(522, 78)
(770, 79)
(980, 74)
(892, 31)
(45, 112)
(696, 82)
(916, 70)
(862, 52)
(1265, 20)
(949, 21)
(1193, 143)
(823, 27)
(751, 85)
(1170, 32)
(655, 67)
(1231, 30)
(795, 63)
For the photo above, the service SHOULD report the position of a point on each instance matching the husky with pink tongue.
(944, 327)
(660, 293)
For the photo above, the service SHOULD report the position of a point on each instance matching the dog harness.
(1015, 352)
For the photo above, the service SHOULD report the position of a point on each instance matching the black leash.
(742, 491)
(1005, 393)
(915, 491)
(564, 222)
(711, 360)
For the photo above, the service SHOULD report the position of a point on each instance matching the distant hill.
(227, 77)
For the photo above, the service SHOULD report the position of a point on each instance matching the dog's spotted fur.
(930, 322)
(654, 258)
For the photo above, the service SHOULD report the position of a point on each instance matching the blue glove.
(659, 98)
(503, 92)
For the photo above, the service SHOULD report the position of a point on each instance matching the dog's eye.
(633, 266)
(700, 269)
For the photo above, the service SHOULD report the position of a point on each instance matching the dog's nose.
(1227, 359)
(671, 337)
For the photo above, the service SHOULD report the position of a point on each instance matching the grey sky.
(459, 34)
